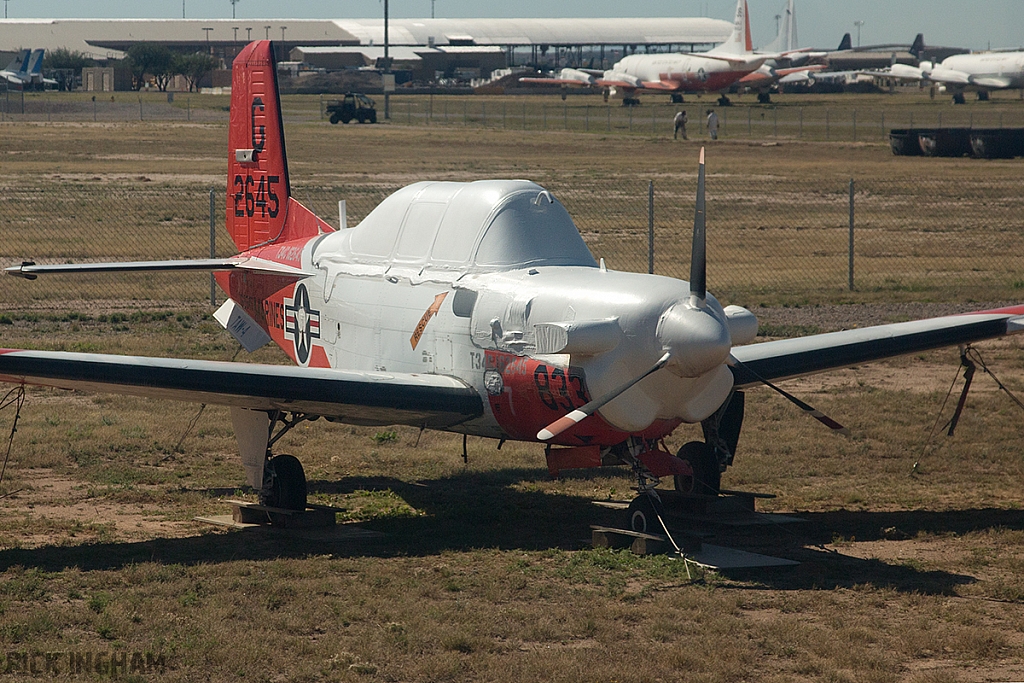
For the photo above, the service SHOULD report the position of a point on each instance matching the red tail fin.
(260, 207)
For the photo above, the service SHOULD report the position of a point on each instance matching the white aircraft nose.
(698, 340)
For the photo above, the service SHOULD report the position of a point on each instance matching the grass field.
(912, 550)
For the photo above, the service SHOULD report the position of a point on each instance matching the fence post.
(851, 237)
(213, 243)
(650, 228)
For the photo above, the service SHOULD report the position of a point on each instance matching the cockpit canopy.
(487, 225)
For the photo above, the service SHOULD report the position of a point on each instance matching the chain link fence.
(926, 239)
(786, 118)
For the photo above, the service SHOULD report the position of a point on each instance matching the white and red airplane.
(679, 72)
(474, 308)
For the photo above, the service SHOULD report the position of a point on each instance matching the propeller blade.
(698, 254)
(575, 417)
(809, 409)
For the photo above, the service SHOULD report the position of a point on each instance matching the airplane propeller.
(809, 409)
(698, 253)
(575, 417)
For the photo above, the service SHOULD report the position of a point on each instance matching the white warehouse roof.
(102, 37)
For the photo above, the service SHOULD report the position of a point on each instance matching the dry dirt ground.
(912, 548)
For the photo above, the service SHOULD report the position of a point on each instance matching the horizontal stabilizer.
(30, 271)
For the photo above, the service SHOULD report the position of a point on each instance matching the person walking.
(680, 125)
(713, 124)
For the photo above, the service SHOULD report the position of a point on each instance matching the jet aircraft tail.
(845, 44)
(918, 47)
(35, 63)
(19, 63)
(260, 208)
(739, 41)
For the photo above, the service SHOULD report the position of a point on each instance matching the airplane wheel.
(707, 475)
(288, 483)
(959, 98)
(643, 516)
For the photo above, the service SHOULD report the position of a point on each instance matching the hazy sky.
(820, 23)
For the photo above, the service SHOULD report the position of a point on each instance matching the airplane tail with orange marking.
(260, 208)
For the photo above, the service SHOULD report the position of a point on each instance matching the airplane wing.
(667, 86)
(553, 81)
(788, 358)
(566, 77)
(379, 398)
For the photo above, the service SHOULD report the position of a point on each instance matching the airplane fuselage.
(990, 70)
(688, 72)
(535, 341)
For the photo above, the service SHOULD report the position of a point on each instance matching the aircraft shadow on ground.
(480, 510)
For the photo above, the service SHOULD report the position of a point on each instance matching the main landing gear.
(284, 481)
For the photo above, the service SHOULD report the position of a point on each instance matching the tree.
(152, 59)
(194, 67)
(65, 65)
(63, 58)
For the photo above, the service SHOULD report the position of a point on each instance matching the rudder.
(258, 185)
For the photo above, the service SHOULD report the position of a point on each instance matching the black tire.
(642, 515)
(372, 118)
(707, 475)
(288, 488)
(360, 117)
(335, 119)
(345, 118)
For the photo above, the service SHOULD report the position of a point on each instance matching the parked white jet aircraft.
(469, 307)
(712, 71)
(26, 71)
(982, 72)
